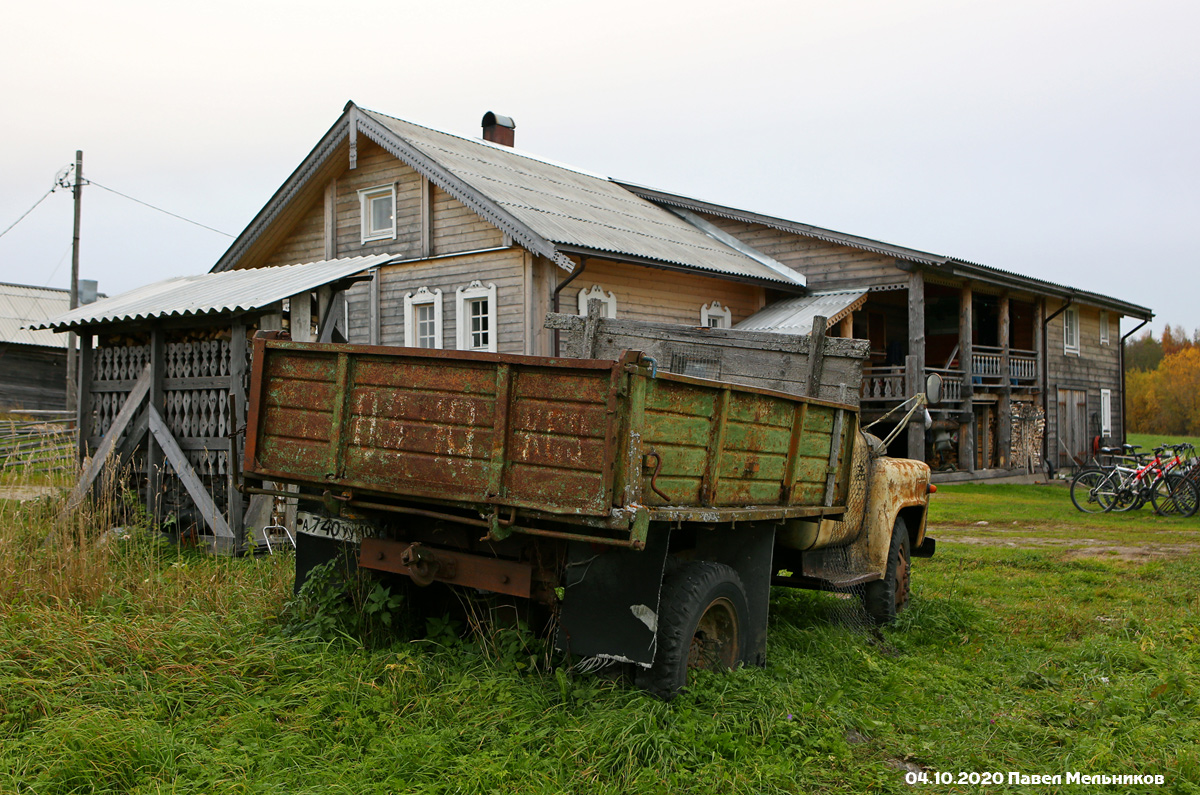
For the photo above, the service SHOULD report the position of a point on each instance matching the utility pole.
(72, 366)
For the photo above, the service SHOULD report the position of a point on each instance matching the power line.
(152, 207)
(27, 212)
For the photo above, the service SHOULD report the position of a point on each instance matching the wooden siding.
(661, 296)
(455, 227)
(827, 266)
(306, 241)
(505, 269)
(35, 378)
(1095, 367)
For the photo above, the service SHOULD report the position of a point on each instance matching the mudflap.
(748, 550)
(610, 600)
(312, 551)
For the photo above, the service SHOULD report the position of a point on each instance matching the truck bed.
(594, 442)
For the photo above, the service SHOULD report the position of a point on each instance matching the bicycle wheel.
(1175, 495)
(1092, 491)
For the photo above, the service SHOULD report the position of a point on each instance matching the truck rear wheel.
(701, 625)
(885, 599)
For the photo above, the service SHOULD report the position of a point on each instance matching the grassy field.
(130, 666)
(1149, 440)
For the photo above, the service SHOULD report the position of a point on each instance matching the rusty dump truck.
(644, 514)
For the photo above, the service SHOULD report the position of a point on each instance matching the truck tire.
(701, 624)
(885, 599)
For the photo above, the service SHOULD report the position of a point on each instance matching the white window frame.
(596, 292)
(714, 311)
(463, 297)
(1071, 330)
(365, 196)
(1103, 327)
(412, 301)
(1106, 412)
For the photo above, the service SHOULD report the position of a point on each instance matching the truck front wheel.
(884, 599)
(701, 625)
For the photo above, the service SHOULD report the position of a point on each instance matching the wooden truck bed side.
(594, 440)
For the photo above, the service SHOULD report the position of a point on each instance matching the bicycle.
(1124, 488)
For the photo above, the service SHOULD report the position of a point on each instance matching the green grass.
(1149, 441)
(165, 671)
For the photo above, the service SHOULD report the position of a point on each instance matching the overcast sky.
(1054, 139)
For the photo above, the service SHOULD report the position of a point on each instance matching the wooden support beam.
(426, 220)
(966, 339)
(1003, 416)
(373, 291)
(816, 356)
(591, 329)
(331, 219)
(136, 396)
(913, 383)
(237, 397)
(301, 317)
(846, 326)
(83, 407)
(334, 326)
(158, 366)
(191, 481)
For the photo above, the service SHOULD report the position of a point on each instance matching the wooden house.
(488, 239)
(414, 236)
(33, 364)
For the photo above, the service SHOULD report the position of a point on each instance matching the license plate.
(346, 530)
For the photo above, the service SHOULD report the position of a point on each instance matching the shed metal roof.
(23, 305)
(795, 315)
(213, 293)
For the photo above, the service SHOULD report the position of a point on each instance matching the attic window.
(715, 316)
(378, 213)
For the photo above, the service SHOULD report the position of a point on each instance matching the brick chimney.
(498, 129)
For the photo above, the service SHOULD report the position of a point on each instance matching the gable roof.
(550, 209)
(948, 266)
(22, 305)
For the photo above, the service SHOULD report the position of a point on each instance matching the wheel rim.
(901, 581)
(714, 644)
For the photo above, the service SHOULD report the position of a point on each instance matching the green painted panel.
(758, 438)
(665, 396)
(748, 407)
(674, 428)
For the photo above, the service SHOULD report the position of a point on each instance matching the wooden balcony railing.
(882, 383)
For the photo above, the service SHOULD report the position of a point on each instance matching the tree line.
(1162, 383)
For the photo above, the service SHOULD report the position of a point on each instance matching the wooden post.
(1004, 415)
(301, 317)
(913, 383)
(154, 458)
(237, 396)
(816, 356)
(846, 326)
(966, 430)
(77, 193)
(373, 306)
(426, 217)
(83, 409)
(331, 219)
(591, 329)
(915, 362)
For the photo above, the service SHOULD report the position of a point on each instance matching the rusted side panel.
(727, 447)
(565, 437)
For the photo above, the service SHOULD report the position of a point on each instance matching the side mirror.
(933, 389)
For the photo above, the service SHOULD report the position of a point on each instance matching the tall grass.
(130, 665)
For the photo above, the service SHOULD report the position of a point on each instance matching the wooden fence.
(38, 441)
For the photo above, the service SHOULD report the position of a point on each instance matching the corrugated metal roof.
(572, 207)
(795, 315)
(214, 293)
(968, 269)
(23, 305)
